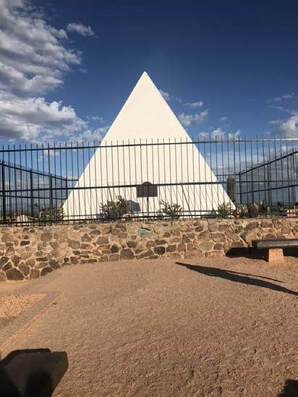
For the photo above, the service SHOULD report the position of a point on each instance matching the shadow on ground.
(291, 252)
(290, 389)
(31, 372)
(243, 278)
(246, 252)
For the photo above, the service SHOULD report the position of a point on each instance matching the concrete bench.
(274, 248)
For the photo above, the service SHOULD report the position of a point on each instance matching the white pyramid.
(146, 118)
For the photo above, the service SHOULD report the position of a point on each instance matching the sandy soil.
(12, 306)
(205, 327)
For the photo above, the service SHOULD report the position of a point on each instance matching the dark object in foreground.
(31, 373)
(274, 248)
(290, 389)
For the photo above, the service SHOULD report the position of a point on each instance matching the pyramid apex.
(145, 75)
(146, 115)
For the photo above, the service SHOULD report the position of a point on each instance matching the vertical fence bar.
(78, 195)
(129, 172)
(240, 173)
(264, 174)
(295, 177)
(222, 167)
(123, 169)
(51, 204)
(32, 183)
(26, 180)
(55, 183)
(251, 177)
(288, 175)
(3, 194)
(31, 195)
(21, 181)
(74, 191)
(194, 187)
(9, 181)
(15, 178)
(91, 191)
(217, 171)
(96, 153)
(176, 169)
(153, 175)
(246, 173)
(118, 167)
(200, 187)
(276, 172)
(164, 168)
(84, 191)
(234, 169)
(258, 173)
(205, 178)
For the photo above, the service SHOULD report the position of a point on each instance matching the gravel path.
(205, 327)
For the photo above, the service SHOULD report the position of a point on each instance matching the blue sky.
(226, 68)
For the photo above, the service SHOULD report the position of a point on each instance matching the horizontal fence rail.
(148, 179)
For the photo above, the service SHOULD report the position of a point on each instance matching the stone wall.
(33, 251)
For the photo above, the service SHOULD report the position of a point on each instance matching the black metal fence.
(75, 182)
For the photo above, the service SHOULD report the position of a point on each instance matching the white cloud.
(223, 118)
(27, 118)
(275, 122)
(80, 29)
(97, 118)
(188, 119)
(90, 136)
(33, 59)
(219, 134)
(33, 55)
(284, 97)
(194, 105)
(165, 94)
(170, 98)
(289, 127)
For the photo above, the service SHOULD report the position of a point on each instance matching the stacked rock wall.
(33, 251)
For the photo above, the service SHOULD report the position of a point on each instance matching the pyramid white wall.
(146, 118)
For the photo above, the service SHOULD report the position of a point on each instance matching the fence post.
(3, 194)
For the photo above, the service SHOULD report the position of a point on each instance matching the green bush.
(114, 210)
(253, 210)
(224, 210)
(174, 210)
(241, 211)
(51, 214)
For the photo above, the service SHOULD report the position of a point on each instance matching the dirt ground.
(12, 306)
(204, 327)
